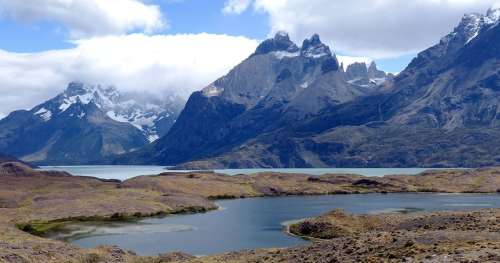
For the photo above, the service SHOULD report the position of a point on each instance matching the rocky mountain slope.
(441, 111)
(84, 124)
(279, 84)
(454, 84)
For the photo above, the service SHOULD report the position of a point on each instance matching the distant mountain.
(278, 85)
(441, 111)
(456, 83)
(84, 124)
(362, 75)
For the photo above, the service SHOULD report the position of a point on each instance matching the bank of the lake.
(256, 222)
(28, 196)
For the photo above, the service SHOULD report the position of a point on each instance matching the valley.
(228, 145)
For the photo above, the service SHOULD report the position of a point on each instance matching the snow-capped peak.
(102, 96)
(472, 24)
(314, 48)
(492, 16)
(143, 113)
(280, 42)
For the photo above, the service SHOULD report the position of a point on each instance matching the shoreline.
(43, 201)
(286, 224)
(44, 228)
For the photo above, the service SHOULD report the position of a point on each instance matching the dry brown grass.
(28, 196)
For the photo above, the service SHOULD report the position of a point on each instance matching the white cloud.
(161, 64)
(88, 17)
(236, 6)
(374, 28)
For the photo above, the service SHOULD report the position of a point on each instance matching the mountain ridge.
(278, 84)
(441, 111)
(84, 124)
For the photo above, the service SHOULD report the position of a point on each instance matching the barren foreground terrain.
(38, 202)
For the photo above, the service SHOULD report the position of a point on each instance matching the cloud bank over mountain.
(122, 42)
(377, 29)
(160, 64)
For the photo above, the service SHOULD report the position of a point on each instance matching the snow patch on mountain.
(492, 16)
(314, 48)
(44, 114)
(212, 91)
(285, 54)
(378, 81)
(118, 107)
(116, 117)
(152, 138)
(472, 24)
(305, 85)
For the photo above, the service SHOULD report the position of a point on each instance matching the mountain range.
(279, 84)
(85, 124)
(290, 106)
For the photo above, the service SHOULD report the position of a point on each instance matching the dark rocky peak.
(362, 75)
(280, 42)
(102, 96)
(314, 48)
(374, 72)
(79, 89)
(467, 30)
(76, 88)
(356, 70)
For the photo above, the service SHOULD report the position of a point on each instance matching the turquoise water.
(123, 172)
(255, 223)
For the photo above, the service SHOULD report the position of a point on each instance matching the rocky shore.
(38, 202)
(421, 237)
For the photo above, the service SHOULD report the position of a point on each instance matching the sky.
(169, 47)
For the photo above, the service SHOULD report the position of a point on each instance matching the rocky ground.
(426, 237)
(38, 202)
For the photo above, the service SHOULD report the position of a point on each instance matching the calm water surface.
(120, 172)
(255, 223)
(123, 172)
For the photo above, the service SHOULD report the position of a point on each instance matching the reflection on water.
(256, 223)
(84, 230)
(402, 210)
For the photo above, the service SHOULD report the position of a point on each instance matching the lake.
(124, 172)
(255, 223)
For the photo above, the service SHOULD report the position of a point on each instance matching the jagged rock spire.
(280, 42)
(313, 47)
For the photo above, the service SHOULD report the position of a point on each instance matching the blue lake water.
(255, 223)
(123, 172)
